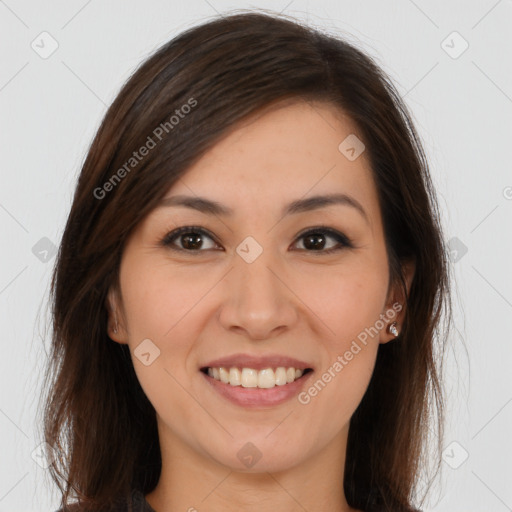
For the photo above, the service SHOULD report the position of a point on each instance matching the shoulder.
(135, 502)
(382, 508)
(76, 507)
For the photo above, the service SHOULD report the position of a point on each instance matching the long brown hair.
(177, 105)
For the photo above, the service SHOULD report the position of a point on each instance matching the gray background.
(461, 103)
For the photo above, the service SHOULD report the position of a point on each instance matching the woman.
(250, 284)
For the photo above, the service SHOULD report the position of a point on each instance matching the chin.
(258, 456)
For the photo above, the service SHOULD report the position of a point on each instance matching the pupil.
(312, 238)
(194, 244)
(193, 241)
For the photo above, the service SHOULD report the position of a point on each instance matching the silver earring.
(392, 329)
(115, 327)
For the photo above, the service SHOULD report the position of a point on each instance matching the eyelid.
(340, 237)
(325, 229)
(166, 240)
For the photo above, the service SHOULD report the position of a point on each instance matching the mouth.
(265, 378)
(252, 388)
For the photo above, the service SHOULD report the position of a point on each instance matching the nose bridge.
(258, 301)
(256, 281)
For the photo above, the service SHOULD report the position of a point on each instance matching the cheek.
(157, 308)
(347, 301)
(349, 305)
(157, 305)
(157, 301)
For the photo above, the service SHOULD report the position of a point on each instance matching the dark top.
(139, 504)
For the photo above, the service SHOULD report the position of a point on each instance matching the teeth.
(235, 378)
(251, 378)
(281, 376)
(224, 375)
(266, 378)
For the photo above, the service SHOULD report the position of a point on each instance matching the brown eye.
(189, 238)
(194, 239)
(315, 240)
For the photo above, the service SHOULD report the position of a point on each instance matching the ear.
(395, 309)
(115, 320)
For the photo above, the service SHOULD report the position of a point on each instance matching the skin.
(198, 306)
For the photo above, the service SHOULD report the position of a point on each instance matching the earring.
(115, 318)
(392, 329)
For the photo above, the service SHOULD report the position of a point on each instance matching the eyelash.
(324, 230)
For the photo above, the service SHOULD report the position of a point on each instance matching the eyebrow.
(211, 207)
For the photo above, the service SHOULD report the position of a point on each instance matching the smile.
(252, 378)
(249, 387)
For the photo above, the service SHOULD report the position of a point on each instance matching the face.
(261, 282)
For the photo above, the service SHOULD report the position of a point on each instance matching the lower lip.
(258, 397)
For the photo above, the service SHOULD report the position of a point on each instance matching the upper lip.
(257, 362)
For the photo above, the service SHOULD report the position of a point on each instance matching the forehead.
(279, 155)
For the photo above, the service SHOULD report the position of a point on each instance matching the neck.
(191, 481)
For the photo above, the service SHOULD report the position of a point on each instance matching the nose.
(259, 302)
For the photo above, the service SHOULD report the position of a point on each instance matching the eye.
(192, 239)
(314, 240)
